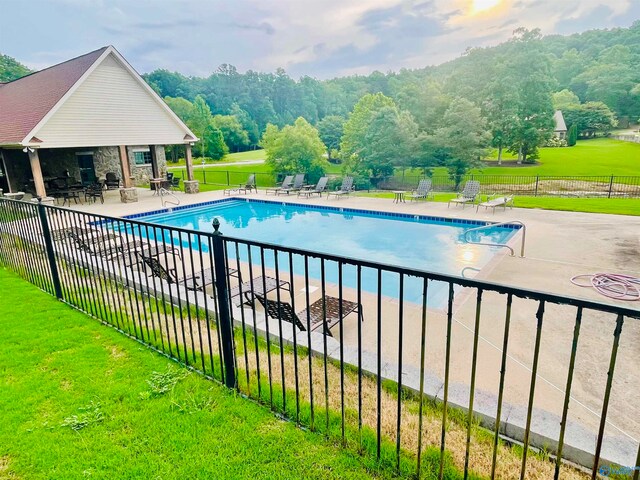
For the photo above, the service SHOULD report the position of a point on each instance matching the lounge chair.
(112, 181)
(345, 189)
(197, 281)
(286, 183)
(298, 182)
(261, 286)
(243, 187)
(423, 191)
(318, 189)
(325, 308)
(499, 201)
(468, 195)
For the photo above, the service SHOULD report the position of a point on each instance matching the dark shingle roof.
(25, 101)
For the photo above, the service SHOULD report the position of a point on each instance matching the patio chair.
(197, 281)
(345, 189)
(175, 182)
(248, 186)
(499, 201)
(327, 308)
(261, 286)
(286, 183)
(298, 182)
(94, 191)
(318, 189)
(468, 195)
(112, 181)
(423, 191)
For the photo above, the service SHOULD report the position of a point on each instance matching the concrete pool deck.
(559, 245)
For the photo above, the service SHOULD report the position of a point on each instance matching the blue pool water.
(424, 243)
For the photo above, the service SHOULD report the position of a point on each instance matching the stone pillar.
(154, 162)
(36, 171)
(188, 160)
(128, 195)
(124, 165)
(191, 186)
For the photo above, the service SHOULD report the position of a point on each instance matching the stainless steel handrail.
(164, 192)
(503, 245)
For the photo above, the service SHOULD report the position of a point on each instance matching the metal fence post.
(204, 176)
(610, 186)
(228, 178)
(224, 314)
(535, 194)
(46, 233)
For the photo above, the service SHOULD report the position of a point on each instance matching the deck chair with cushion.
(503, 201)
(345, 189)
(325, 308)
(248, 186)
(298, 182)
(112, 181)
(423, 191)
(286, 183)
(468, 195)
(317, 190)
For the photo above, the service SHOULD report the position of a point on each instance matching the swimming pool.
(420, 242)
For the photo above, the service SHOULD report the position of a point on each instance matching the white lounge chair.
(468, 195)
(499, 201)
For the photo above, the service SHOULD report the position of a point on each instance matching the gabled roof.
(29, 105)
(25, 101)
(558, 118)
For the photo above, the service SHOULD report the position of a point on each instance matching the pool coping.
(477, 223)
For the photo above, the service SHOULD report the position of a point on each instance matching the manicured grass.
(598, 156)
(230, 158)
(620, 206)
(79, 400)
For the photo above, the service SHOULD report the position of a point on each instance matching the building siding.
(110, 108)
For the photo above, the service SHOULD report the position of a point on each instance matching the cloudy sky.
(321, 38)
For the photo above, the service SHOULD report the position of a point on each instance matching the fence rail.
(585, 186)
(396, 362)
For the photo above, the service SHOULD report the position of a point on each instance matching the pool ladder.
(166, 193)
(502, 245)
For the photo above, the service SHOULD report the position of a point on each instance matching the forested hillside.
(597, 65)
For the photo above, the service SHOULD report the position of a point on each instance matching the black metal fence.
(430, 374)
(581, 186)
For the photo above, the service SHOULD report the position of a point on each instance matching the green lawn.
(598, 156)
(230, 158)
(80, 400)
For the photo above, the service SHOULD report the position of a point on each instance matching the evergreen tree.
(572, 135)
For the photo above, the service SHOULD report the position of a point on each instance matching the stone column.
(188, 160)
(124, 165)
(36, 171)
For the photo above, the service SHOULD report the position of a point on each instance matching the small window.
(142, 157)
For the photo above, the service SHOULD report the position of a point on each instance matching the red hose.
(612, 285)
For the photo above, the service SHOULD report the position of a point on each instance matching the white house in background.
(560, 129)
(84, 118)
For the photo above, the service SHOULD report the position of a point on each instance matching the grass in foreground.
(619, 206)
(80, 400)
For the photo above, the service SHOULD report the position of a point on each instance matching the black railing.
(414, 368)
(579, 186)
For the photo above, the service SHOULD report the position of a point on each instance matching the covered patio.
(84, 125)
